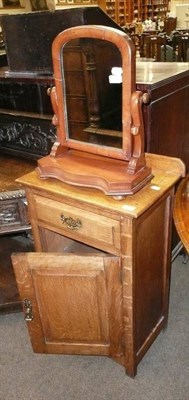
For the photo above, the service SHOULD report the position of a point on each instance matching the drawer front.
(85, 226)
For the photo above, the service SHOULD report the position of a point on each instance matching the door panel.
(75, 302)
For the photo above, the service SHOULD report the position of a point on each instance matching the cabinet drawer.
(97, 230)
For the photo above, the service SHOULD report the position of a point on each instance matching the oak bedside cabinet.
(98, 282)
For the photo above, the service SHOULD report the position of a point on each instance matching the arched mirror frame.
(131, 100)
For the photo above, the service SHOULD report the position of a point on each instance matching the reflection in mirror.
(93, 105)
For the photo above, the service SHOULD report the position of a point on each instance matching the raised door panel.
(74, 302)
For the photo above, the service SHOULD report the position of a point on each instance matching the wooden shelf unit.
(125, 11)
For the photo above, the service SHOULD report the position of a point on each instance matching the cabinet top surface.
(149, 72)
(131, 205)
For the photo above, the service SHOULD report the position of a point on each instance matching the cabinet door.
(72, 303)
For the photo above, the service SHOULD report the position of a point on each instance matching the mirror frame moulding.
(126, 48)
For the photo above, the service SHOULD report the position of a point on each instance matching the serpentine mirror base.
(88, 170)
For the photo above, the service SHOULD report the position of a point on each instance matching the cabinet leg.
(131, 371)
(185, 257)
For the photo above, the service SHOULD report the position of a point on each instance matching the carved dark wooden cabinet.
(26, 113)
(15, 228)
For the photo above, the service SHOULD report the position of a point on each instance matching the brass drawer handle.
(28, 310)
(70, 222)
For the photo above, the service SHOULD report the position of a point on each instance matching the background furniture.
(33, 45)
(14, 222)
(13, 210)
(181, 212)
(180, 44)
(10, 243)
(98, 283)
(170, 24)
(124, 12)
(121, 11)
(153, 46)
(166, 115)
(160, 47)
(26, 128)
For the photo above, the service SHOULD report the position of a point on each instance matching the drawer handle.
(28, 310)
(70, 222)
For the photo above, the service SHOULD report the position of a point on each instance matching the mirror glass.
(93, 104)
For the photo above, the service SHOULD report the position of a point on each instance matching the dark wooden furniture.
(124, 12)
(35, 44)
(166, 117)
(180, 43)
(98, 283)
(9, 296)
(181, 212)
(26, 128)
(153, 46)
(13, 209)
(170, 24)
(14, 223)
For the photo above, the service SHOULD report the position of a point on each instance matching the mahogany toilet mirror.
(93, 148)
